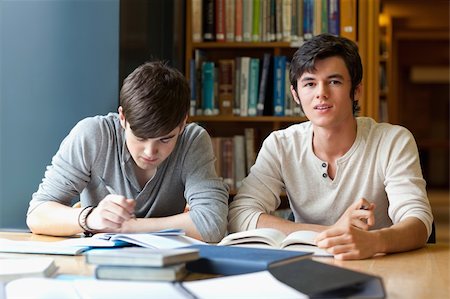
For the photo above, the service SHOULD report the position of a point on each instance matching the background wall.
(59, 62)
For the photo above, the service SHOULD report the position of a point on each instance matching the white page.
(40, 288)
(56, 247)
(112, 289)
(45, 288)
(257, 285)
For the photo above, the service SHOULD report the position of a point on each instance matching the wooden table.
(422, 273)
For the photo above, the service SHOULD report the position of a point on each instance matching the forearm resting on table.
(182, 221)
(408, 234)
(286, 226)
(52, 218)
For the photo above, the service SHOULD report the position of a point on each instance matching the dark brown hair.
(155, 99)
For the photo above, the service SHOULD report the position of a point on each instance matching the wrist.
(82, 220)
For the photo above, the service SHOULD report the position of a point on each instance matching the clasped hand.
(349, 237)
(111, 213)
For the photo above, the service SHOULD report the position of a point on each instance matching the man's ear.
(123, 121)
(295, 95)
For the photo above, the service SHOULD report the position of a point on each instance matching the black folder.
(319, 280)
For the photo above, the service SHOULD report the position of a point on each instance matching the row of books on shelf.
(234, 157)
(243, 86)
(263, 20)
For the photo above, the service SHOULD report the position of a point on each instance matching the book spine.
(193, 86)
(333, 17)
(272, 17)
(208, 87)
(278, 20)
(286, 25)
(220, 20)
(308, 18)
(227, 162)
(238, 30)
(226, 73)
(196, 18)
(229, 20)
(239, 160)
(253, 86)
(348, 12)
(237, 87)
(279, 85)
(247, 17)
(256, 18)
(299, 19)
(324, 17)
(244, 88)
(209, 20)
(250, 154)
(263, 84)
(294, 17)
(200, 57)
(288, 102)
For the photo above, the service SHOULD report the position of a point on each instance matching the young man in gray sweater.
(135, 170)
(356, 181)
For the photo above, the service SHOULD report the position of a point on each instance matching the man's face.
(149, 153)
(325, 93)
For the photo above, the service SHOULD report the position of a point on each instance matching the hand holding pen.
(112, 192)
(112, 212)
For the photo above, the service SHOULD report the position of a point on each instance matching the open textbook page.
(269, 237)
(174, 238)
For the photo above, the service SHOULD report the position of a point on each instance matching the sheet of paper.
(40, 288)
(255, 285)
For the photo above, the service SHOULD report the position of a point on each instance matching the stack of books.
(143, 264)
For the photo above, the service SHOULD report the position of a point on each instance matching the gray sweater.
(96, 148)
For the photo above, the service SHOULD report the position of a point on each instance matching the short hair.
(324, 46)
(155, 99)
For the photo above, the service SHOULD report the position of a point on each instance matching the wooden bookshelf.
(230, 125)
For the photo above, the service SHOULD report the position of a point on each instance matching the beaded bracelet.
(82, 220)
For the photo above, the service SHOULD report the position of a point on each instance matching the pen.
(111, 191)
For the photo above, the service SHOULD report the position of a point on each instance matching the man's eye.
(335, 82)
(165, 140)
(308, 84)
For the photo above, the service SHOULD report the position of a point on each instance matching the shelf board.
(240, 45)
(232, 118)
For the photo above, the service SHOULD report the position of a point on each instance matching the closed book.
(220, 20)
(253, 82)
(226, 86)
(279, 68)
(308, 19)
(348, 15)
(14, 268)
(244, 88)
(262, 92)
(168, 273)
(209, 20)
(227, 260)
(247, 20)
(320, 280)
(208, 79)
(229, 20)
(196, 17)
(334, 26)
(138, 256)
(238, 30)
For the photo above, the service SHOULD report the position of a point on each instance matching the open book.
(164, 239)
(268, 237)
